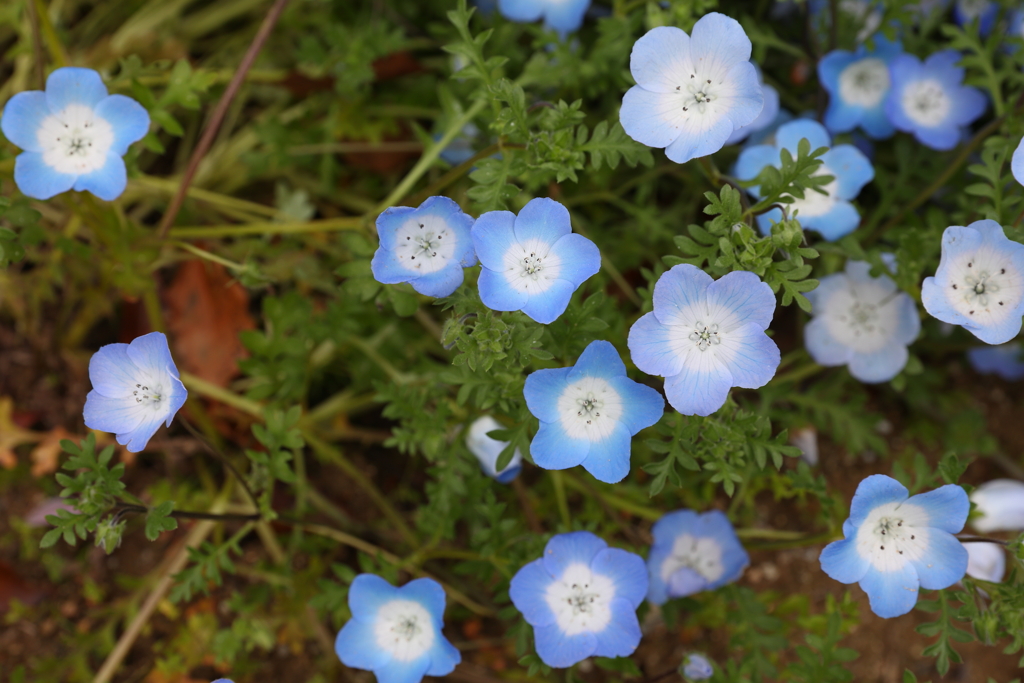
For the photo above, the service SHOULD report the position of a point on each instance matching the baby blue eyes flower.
(979, 283)
(532, 262)
(589, 413)
(427, 247)
(1000, 506)
(135, 387)
(487, 450)
(581, 599)
(768, 116)
(396, 632)
(985, 12)
(1003, 360)
(986, 561)
(705, 336)
(862, 322)
(692, 92)
(693, 553)
(857, 84)
(697, 668)
(895, 544)
(930, 100)
(74, 135)
(564, 16)
(830, 214)
(1017, 163)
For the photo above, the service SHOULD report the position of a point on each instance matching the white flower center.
(699, 91)
(892, 535)
(530, 267)
(425, 245)
(405, 629)
(149, 393)
(814, 203)
(699, 553)
(75, 141)
(925, 102)
(589, 409)
(864, 83)
(705, 336)
(581, 600)
(984, 286)
(863, 315)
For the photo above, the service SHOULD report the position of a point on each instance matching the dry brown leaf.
(46, 455)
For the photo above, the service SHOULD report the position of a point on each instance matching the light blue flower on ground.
(1000, 506)
(984, 12)
(693, 553)
(862, 322)
(532, 262)
(487, 450)
(895, 544)
(857, 84)
(427, 247)
(768, 116)
(564, 16)
(692, 93)
(74, 135)
(930, 100)
(135, 388)
(979, 283)
(697, 668)
(1004, 360)
(396, 632)
(706, 336)
(589, 413)
(581, 599)
(830, 214)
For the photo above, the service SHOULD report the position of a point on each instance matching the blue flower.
(1003, 360)
(1000, 506)
(1017, 162)
(487, 450)
(986, 561)
(532, 262)
(894, 544)
(697, 668)
(693, 553)
(461, 148)
(979, 283)
(135, 387)
(765, 120)
(930, 99)
(691, 92)
(589, 413)
(985, 12)
(862, 322)
(396, 632)
(705, 336)
(581, 599)
(223, 680)
(564, 16)
(427, 247)
(74, 135)
(857, 84)
(830, 214)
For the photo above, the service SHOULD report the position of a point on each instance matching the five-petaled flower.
(74, 135)
(857, 84)
(427, 247)
(831, 214)
(488, 450)
(697, 667)
(692, 92)
(532, 262)
(979, 283)
(999, 505)
(862, 322)
(692, 553)
(564, 16)
(895, 544)
(396, 632)
(135, 387)
(581, 599)
(930, 100)
(589, 413)
(706, 336)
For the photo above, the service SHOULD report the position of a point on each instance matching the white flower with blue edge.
(929, 99)
(706, 336)
(984, 12)
(564, 16)
(862, 322)
(1000, 506)
(581, 599)
(396, 632)
(986, 561)
(589, 413)
(832, 214)
(692, 92)
(896, 543)
(74, 135)
(135, 388)
(532, 262)
(1004, 360)
(767, 118)
(427, 246)
(488, 450)
(857, 84)
(697, 668)
(692, 553)
(979, 283)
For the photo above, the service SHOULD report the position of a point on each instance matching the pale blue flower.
(564, 16)
(832, 214)
(697, 667)
(766, 119)
(857, 84)
(74, 135)
(488, 450)
(705, 336)
(532, 262)
(581, 599)
(223, 680)
(862, 322)
(930, 100)
(895, 544)
(589, 413)
(427, 247)
(1003, 360)
(984, 12)
(396, 632)
(693, 553)
(1000, 506)
(692, 93)
(1017, 162)
(986, 561)
(979, 283)
(135, 388)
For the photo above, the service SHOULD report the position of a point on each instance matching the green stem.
(326, 225)
(209, 390)
(563, 503)
(797, 374)
(203, 254)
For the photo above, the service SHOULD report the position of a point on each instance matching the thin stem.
(209, 256)
(210, 390)
(191, 514)
(50, 37)
(37, 45)
(563, 502)
(457, 172)
(981, 539)
(205, 443)
(326, 225)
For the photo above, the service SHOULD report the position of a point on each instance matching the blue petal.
(702, 136)
(521, 10)
(968, 104)
(114, 415)
(542, 390)
(1016, 164)
(397, 671)
(940, 138)
(643, 405)
(509, 474)
(842, 562)
(673, 524)
(440, 283)
(73, 85)
(790, 134)
(387, 269)
(37, 180)
(428, 593)
(128, 119)
(107, 182)
(356, 646)
(545, 307)
(544, 220)
(879, 366)
(944, 562)
(851, 169)
(21, 118)
(700, 388)
(763, 120)
(528, 590)
(942, 66)
(831, 66)
(873, 491)
(1003, 360)
(628, 572)
(608, 459)
(566, 16)
(651, 118)
(840, 221)
(947, 507)
(891, 594)
(753, 160)
(909, 320)
(876, 123)
(151, 353)
(112, 372)
(655, 348)
(658, 57)
(444, 657)
(176, 397)
(657, 589)
(577, 547)
(367, 594)
(740, 297)
(621, 635)
(752, 356)
(493, 235)
(578, 256)
(553, 449)
(719, 42)
(734, 561)
(823, 348)
(136, 439)
(496, 294)
(685, 581)
(558, 650)
(388, 223)
(599, 359)
(680, 288)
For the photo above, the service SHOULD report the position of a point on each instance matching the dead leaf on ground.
(11, 435)
(46, 455)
